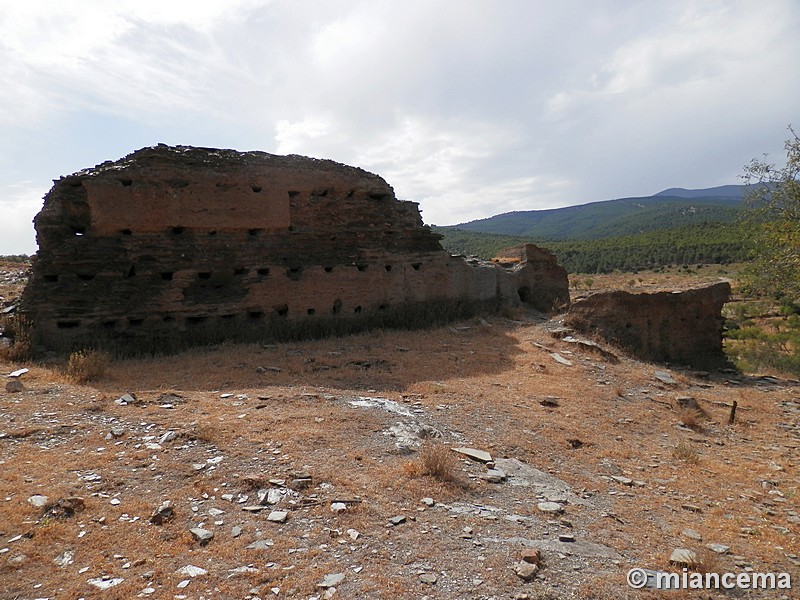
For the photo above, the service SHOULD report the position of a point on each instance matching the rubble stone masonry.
(171, 247)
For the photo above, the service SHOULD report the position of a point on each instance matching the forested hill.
(674, 227)
(669, 209)
(718, 243)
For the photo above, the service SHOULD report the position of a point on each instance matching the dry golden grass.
(685, 452)
(691, 418)
(482, 383)
(84, 366)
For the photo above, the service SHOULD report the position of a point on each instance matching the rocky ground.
(326, 469)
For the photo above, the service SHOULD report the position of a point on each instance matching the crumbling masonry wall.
(682, 327)
(176, 246)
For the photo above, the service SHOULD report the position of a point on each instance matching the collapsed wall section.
(176, 246)
(682, 327)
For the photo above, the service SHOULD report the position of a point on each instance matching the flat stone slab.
(278, 516)
(474, 454)
(550, 507)
(331, 580)
(683, 556)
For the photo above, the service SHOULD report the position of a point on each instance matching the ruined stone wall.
(175, 246)
(682, 327)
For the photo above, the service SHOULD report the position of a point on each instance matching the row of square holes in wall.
(282, 310)
(320, 193)
(292, 273)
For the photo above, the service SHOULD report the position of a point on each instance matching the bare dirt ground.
(333, 434)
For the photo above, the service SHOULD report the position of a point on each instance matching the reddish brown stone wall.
(173, 246)
(682, 327)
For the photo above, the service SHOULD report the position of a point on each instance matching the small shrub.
(685, 452)
(20, 329)
(86, 365)
(691, 418)
(434, 460)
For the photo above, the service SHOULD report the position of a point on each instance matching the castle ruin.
(171, 247)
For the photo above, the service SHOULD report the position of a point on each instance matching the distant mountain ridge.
(669, 209)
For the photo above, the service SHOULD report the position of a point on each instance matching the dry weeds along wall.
(175, 246)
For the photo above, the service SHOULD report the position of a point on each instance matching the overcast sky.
(469, 107)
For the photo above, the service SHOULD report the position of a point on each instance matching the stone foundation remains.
(681, 327)
(172, 247)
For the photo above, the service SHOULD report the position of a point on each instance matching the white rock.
(104, 583)
(550, 507)
(331, 580)
(278, 516)
(338, 507)
(38, 500)
(192, 571)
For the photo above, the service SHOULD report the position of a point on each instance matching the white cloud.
(21, 201)
(471, 108)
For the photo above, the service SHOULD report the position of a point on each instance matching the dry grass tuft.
(691, 418)
(87, 365)
(436, 461)
(19, 328)
(685, 451)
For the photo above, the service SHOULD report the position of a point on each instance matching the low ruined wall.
(175, 246)
(682, 327)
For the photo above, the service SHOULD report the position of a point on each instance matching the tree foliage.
(774, 201)
(718, 243)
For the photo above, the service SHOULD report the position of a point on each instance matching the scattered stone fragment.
(429, 578)
(338, 507)
(428, 501)
(683, 556)
(202, 535)
(163, 513)
(300, 483)
(269, 496)
(566, 537)
(525, 570)
(38, 500)
(353, 534)
(116, 432)
(550, 401)
(550, 507)
(495, 475)
(65, 558)
(167, 437)
(331, 580)
(64, 508)
(278, 516)
(688, 402)
(664, 377)
(718, 548)
(622, 480)
(14, 387)
(125, 399)
(192, 571)
(236, 531)
(691, 534)
(532, 556)
(260, 545)
(253, 507)
(474, 454)
(104, 583)
(691, 508)
(215, 512)
(17, 373)
(560, 359)
(398, 520)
